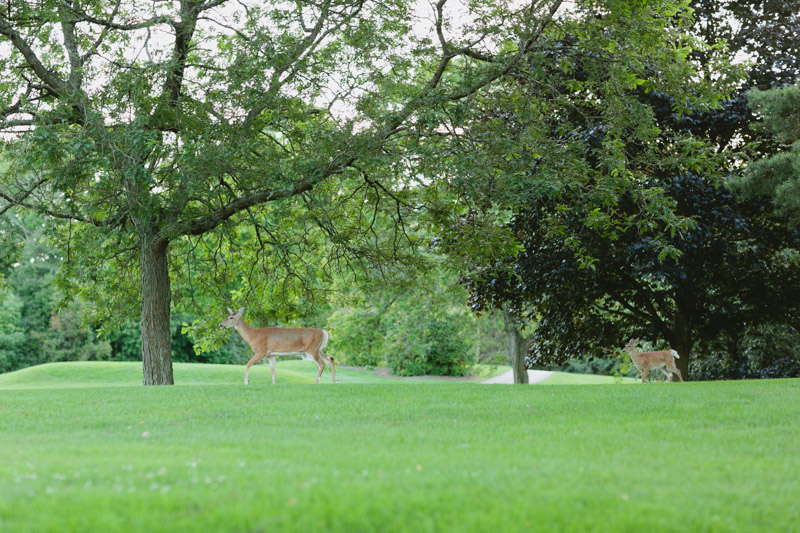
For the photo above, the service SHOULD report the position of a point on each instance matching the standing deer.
(647, 361)
(271, 342)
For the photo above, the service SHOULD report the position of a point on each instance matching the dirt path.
(534, 376)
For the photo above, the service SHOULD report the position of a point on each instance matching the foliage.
(737, 266)
(777, 176)
(417, 329)
(28, 299)
(126, 344)
(572, 124)
(412, 456)
(68, 340)
(12, 337)
(615, 366)
(760, 352)
(422, 342)
(760, 37)
(764, 34)
(39, 326)
(359, 337)
(576, 128)
(659, 136)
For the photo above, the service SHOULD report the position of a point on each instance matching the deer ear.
(230, 311)
(241, 310)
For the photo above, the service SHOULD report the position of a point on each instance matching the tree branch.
(54, 84)
(109, 23)
(200, 225)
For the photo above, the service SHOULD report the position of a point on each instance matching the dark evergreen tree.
(737, 267)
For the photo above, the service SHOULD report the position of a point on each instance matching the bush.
(358, 336)
(68, 340)
(421, 342)
(767, 351)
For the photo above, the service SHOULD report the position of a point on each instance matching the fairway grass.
(117, 374)
(399, 456)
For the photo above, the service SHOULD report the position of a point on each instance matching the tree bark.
(684, 349)
(682, 343)
(156, 297)
(516, 346)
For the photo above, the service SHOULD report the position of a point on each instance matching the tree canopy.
(777, 176)
(736, 268)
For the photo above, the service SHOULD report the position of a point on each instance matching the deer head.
(233, 318)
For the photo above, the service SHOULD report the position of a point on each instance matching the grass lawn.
(388, 455)
(108, 374)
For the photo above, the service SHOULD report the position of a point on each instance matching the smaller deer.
(646, 361)
(269, 342)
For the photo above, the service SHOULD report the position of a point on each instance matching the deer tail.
(325, 338)
(675, 354)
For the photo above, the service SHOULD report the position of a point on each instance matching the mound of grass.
(115, 374)
(410, 457)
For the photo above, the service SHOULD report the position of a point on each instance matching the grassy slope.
(108, 374)
(692, 457)
(113, 374)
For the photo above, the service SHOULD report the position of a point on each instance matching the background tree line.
(417, 329)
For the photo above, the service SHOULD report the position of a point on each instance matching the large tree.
(573, 126)
(146, 127)
(737, 268)
(763, 32)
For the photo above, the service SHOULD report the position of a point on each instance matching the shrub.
(421, 343)
(767, 351)
(357, 337)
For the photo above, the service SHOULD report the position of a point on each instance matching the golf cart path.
(534, 376)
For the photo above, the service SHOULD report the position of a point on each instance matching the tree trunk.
(156, 296)
(683, 343)
(516, 346)
(684, 349)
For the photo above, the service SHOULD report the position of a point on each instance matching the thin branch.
(54, 84)
(109, 23)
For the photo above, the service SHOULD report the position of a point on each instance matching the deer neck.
(246, 332)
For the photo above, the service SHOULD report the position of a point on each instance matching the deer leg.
(329, 359)
(253, 360)
(644, 374)
(272, 361)
(674, 369)
(321, 365)
(666, 373)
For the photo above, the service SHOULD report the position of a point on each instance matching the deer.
(646, 361)
(271, 342)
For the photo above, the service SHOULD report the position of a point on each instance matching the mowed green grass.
(399, 456)
(115, 374)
